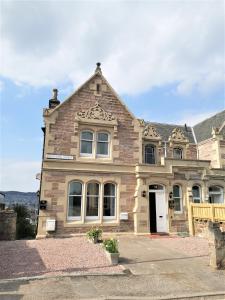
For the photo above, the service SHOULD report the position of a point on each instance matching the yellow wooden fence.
(205, 211)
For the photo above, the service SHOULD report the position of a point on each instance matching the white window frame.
(181, 150)
(115, 208)
(200, 194)
(92, 141)
(97, 141)
(99, 200)
(181, 199)
(75, 218)
(154, 152)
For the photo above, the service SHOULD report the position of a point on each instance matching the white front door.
(161, 210)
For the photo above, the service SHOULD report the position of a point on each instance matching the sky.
(166, 60)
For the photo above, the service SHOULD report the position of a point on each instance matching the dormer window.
(149, 154)
(177, 153)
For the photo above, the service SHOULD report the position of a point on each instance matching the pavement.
(158, 269)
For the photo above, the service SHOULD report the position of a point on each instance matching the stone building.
(104, 167)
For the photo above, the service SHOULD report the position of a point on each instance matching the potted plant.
(94, 234)
(111, 249)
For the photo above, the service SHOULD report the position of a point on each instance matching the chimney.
(54, 101)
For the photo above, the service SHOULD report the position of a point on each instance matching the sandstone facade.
(125, 158)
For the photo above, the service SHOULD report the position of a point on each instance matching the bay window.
(75, 200)
(92, 200)
(109, 201)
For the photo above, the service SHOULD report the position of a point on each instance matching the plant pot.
(113, 257)
(93, 240)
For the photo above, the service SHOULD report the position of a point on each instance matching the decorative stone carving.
(96, 112)
(141, 122)
(178, 135)
(150, 132)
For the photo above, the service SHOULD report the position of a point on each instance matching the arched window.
(102, 144)
(196, 193)
(177, 197)
(75, 200)
(86, 141)
(177, 153)
(92, 200)
(216, 194)
(150, 154)
(109, 202)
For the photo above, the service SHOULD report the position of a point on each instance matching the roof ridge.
(220, 112)
(171, 124)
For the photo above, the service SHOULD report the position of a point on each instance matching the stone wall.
(200, 226)
(7, 225)
(216, 240)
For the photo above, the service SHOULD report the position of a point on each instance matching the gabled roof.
(98, 73)
(165, 130)
(203, 130)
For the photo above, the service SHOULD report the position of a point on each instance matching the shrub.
(111, 245)
(94, 233)
(23, 227)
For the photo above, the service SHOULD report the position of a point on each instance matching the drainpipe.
(43, 129)
(165, 149)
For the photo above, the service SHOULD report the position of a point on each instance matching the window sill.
(87, 223)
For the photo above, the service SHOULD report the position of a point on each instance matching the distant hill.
(13, 197)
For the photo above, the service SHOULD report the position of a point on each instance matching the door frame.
(163, 190)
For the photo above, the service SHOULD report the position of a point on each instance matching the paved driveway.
(167, 267)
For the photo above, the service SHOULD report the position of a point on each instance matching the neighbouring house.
(104, 167)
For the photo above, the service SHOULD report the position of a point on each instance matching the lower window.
(109, 205)
(75, 200)
(177, 198)
(92, 199)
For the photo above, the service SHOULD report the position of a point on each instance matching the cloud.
(19, 175)
(192, 118)
(141, 44)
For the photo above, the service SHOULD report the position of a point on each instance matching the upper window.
(109, 206)
(75, 200)
(86, 143)
(92, 204)
(150, 154)
(177, 153)
(102, 144)
(177, 197)
(196, 193)
(216, 194)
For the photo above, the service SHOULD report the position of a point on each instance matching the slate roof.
(165, 130)
(203, 130)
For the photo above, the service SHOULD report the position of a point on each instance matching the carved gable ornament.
(178, 136)
(96, 112)
(150, 132)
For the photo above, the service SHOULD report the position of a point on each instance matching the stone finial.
(98, 68)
